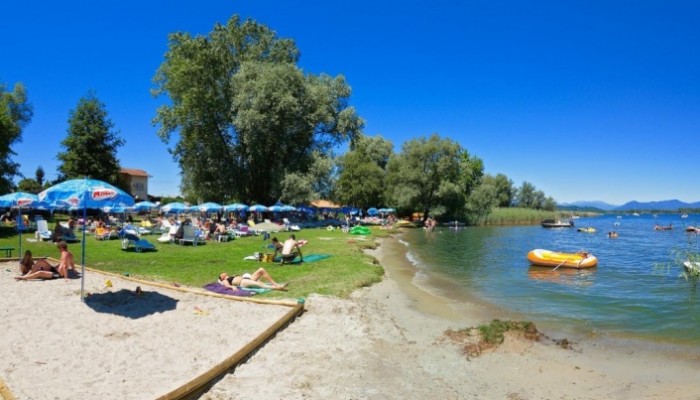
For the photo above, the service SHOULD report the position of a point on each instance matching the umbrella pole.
(19, 227)
(82, 260)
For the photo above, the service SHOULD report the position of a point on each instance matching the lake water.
(636, 290)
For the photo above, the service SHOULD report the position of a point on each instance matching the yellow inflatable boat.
(547, 258)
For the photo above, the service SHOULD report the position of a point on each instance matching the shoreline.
(387, 341)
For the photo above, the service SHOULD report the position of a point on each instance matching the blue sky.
(587, 100)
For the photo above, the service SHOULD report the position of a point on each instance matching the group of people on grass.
(41, 269)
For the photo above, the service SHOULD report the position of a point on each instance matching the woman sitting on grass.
(251, 280)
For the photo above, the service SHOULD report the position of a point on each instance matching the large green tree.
(505, 191)
(432, 175)
(245, 115)
(317, 183)
(15, 114)
(90, 148)
(361, 172)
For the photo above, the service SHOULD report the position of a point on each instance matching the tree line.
(245, 123)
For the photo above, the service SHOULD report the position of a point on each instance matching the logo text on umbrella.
(103, 194)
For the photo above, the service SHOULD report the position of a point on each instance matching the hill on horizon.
(663, 205)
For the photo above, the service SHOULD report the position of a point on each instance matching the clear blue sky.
(587, 100)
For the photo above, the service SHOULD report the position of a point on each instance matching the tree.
(504, 189)
(361, 172)
(29, 185)
(481, 202)
(15, 114)
(246, 115)
(91, 144)
(432, 174)
(39, 175)
(317, 183)
(526, 195)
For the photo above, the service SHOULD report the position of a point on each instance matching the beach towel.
(257, 289)
(307, 258)
(216, 287)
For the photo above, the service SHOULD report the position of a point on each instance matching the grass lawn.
(347, 269)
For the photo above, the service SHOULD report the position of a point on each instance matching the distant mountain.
(601, 205)
(665, 205)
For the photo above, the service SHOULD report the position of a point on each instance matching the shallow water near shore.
(636, 291)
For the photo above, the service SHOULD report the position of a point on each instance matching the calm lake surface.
(636, 290)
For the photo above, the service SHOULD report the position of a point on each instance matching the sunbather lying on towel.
(251, 280)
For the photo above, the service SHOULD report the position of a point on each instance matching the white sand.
(56, 347)
(383, 343)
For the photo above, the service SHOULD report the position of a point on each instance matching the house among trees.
(136, 181)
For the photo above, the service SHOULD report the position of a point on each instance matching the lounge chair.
(241, 230)
(105, 234)
(129, 236)
(289, 226)
(42, 230)
(189, 235)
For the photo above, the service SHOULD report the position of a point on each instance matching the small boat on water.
(587, 229)
(548, 258)
(658, 227)
(551, 223)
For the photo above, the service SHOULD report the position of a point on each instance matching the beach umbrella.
(257, 208)
(21, 200)
(86, 193)
(288, 208)
(145, 206)
(306, 209)
(209, 207)
(18, 199)
(275, 208)
(174, 208)
(235, 207)
(372, 211)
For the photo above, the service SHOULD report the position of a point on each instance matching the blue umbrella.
(145, 206)
(174, 208)
(86, 193)
(21, 200)
(235, 207)
(209, 207)
(372, 211)
(18, 199)
(275, 208)
(306, 209)
(288, 208)
(257, 208)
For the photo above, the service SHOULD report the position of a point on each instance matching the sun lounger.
(42, 230)
(129, 237)
(189, 235)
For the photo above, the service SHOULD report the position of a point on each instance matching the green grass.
(520, 216)
(347, 269)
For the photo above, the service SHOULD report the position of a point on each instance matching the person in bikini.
(251, 280)
(41, 269)
(28, 265)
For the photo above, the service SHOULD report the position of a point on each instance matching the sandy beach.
(385, 342)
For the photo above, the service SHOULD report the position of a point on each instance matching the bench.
(8, 251)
